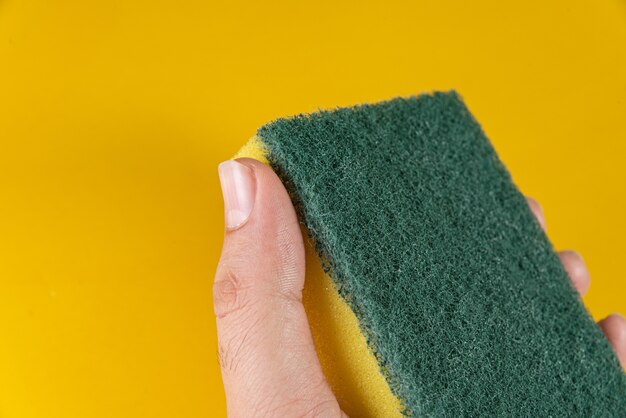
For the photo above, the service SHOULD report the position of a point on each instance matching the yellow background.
(114, 115)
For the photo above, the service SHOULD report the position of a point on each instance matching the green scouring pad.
(462, 300)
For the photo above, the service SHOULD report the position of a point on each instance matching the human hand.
(266, 351)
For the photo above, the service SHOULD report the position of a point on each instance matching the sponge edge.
(349, 364)
(456, 288)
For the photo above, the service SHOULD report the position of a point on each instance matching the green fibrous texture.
(459, 292)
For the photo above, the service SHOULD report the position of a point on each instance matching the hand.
(268, 360)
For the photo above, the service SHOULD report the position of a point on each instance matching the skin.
(268, 360)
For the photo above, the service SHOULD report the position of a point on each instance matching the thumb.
(268, 360)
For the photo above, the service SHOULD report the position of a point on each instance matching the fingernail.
(238, 190)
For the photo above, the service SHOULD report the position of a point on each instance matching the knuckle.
(229, 294)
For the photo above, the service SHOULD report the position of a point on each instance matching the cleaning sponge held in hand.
(431, 289)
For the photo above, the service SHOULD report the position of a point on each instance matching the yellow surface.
(349, 365)
(114, 115)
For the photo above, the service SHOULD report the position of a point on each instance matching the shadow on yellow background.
(114, 115)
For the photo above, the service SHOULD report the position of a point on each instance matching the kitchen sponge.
(431, 289)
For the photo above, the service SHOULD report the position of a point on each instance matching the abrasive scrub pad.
(431, 288)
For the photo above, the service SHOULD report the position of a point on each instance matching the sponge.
(431, 289)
